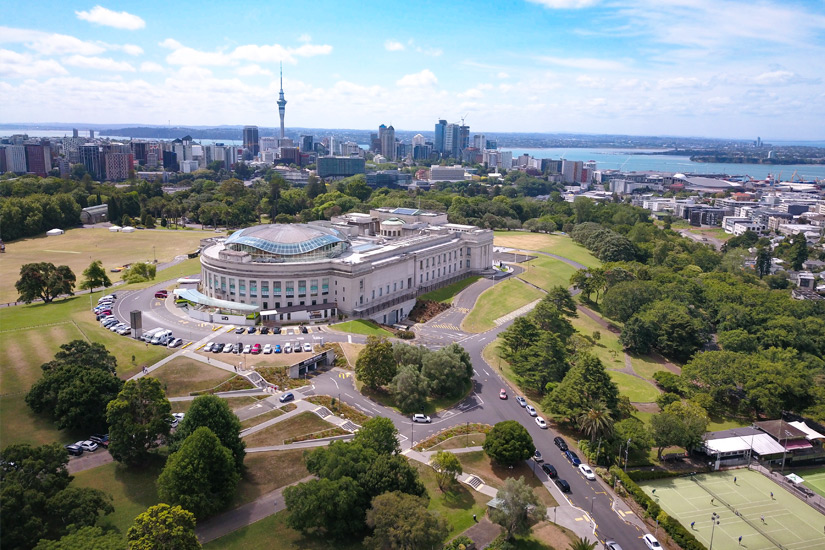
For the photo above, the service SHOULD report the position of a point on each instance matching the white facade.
(16, 158)
(418, 139)
(187, 166)
(447, 173)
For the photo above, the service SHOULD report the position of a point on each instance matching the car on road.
(256, 349)
(612, 545)
(542, 424)
(418, 417)
(161, 294)
(531, 410)
(304, 330)
(100, 439)
(247, 349)
(549, 470)
(88, 445)
(563, 485)
(229, 348)
(537, 456)
(175, 342)
(267, 349)
(264, 330)
(651, 542)
(116, 327)
(587, 472)
(522, 402)
(74, 449)
(277, 348)
(502, 394)
(573, 458)
(308, 347)
(560, 443)
(251, 330)
(124, 330)
(287, 348)
(240, 330)
(288, 396)
(208, 347)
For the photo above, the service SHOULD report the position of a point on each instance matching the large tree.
(545, 361)
(163, 526)
(84, 538)
(333, 508)
(76, 386)
(214, 413)
(585, 381)
(672, 328)
(201, 476)
(447, 371)
(624, 299)
(595, 420)
(411, 388)
(682, 424)
(378, 434)
(447, 467)
(517, 508)
(402, 522)
(508, 443)
(138, 420)
(375, 365)
(95, 276)
(44, 281)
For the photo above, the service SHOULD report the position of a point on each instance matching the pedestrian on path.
(711, 501)
(772, 496)
(474, 518)
(734, 479)
(763, 519)
(692, 523)
(740, 540)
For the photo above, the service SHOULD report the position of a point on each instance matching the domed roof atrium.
(277, 243)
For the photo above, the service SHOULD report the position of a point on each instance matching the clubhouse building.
(370, 266)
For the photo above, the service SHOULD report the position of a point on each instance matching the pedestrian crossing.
(445, 326)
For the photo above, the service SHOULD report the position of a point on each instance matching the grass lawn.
(546, 272)
(492, 355)
(457, 504)
(814, 479)
(478, 463)
(715, 232)
(302, 424)
(460, 441)
(498, 301)
(449, 292)
(183, 375)
(77, 248)
(717, 423)
(261, 418)
(646, 366)
(788, 520)
(361, 326)
(171, 274)
(636, 389)
(560, 245)
(133, 490)
(266, 472)
(607, 347)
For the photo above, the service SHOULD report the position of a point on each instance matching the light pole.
(155, 256)
(714, 521)
(467, 430)
(626, 453)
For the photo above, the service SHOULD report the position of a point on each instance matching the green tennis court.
(788, 523)
(814, 479)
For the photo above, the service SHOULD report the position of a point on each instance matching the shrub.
(405, 334)
(668, 381)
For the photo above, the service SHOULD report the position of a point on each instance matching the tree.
(84, 538)
(763, 261)
(139, 272)
(508, 443)
(411, 388)
(549, 318)
(402, 522)
(622, 300)
(201, 476)
(680, 423)
(447, 467)
(798, 252)
(378, 434)
(672, 328)
(138, 420)
(76, 386)
(545, 361)
(518, 506)
(519, 336)
(448, 371)
(163, 526)
(595, 420)
(633, 430)
(375, 365)
(333, 508)
(583, 544)
(587, 380)
(562, 299)
(44, 281)
(95, 276)
(214, 413)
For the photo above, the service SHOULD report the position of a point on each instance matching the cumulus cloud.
(108, 18)
(100, 63)
(585, 63)
(151, 67)
(422, 79)
(253, 70)
(503, 75)
(565, 4)
(17, 65)
(266, 53)
(49, 43)
(393, 46)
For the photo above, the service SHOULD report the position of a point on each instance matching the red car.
(256, 349)
(502, 394)
(161, 294)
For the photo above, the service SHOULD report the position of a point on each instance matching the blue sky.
(715, 68)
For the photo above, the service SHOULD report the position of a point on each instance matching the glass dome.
(276, 243)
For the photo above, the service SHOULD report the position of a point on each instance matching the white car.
(542, 424)
(208, 347)
(176, 418)
(268, 349)
(287, 347)
(651, 542)
(307, 347)
(228, 348)
(531, 410)
(126, 329)
(175, 342)
(587, 472)
(89, 446)
(247, 348)
(421, 418)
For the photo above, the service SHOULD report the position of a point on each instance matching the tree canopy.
(400, 522)
(518, 507)
(163, 526)
(214, 413)
(95, 276)
(376, 366)
(44, 281)
(138, 420)
(508, 443)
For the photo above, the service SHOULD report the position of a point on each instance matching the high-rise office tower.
(440, 131)
(387, 136)
(452, 140)
(418, 139)
(463, 137)
(38, 158)
(282, 102)
(306, 144)
(480, 141)
(91, 159)
(74, 133)
(250, 139)
(16, 158)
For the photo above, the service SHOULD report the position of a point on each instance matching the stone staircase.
(323, 412)
(350, 426)
(474, 481)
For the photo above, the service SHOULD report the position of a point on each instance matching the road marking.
(230, 329)
(201, 346)
(219, 327)
(349, 338)
(579, 519)
(344, 375)
(186, 345)
(475, 372)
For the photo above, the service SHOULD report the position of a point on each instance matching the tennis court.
(814, 480)
(788, 523)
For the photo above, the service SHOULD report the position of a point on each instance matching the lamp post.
(714, 521)
(467, 432)
(626, 453)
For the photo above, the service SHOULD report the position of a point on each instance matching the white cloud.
(418, 80)
(100, 63)
(17, 65)
(393, 46)
(503, 75)
(681, 82)
(253, 70)
(305, 38)
(108, 18)
(565, 4)
(585, 63)
(472, 93)
(151, 67)
(132, 49)
(49, 43)
(266, 53)
(434, 52)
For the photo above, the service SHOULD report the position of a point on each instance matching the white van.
(149, 334)
(161, 337)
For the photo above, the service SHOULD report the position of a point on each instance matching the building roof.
(202, 299)
(762, 444)
(286, 239)
(810, 433)
(780, 430)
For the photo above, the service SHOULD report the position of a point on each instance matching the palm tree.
(595, 421)
(582, 544)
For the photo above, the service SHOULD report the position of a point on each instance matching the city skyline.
(685, 68)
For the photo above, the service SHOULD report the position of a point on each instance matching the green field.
(607, 347)
(814, 480)
(77, 248)
(560, 245)
(361, 326)
(448, 293)
(183, 375)
(498, 301)
(787, 520)
(546, 272)
(636, 389)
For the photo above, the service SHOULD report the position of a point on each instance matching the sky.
(709, 68)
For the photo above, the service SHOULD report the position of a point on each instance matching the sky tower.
(282, 101)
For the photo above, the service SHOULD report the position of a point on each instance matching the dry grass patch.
(261, 418)
(553, 535)
(183, 375)
(268, 471)
(299, 425)
(460, 442)
(351, 352)
(478, 463)
(339, 409)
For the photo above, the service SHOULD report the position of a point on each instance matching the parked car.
(587, 472)
(251, 330)
(651, 542)
(531, 410)
(116, 326)
(237, 348)
(549, 470)
(74, 449)
(247, 349)
(288, 396)
(267, 349)
(208, 347)
(612, 545)
(100, 439)
(560, 443)
(176, 418)
(287, 348)
(502, 394)
(256, 349)
(563, 485)
(307, 347)
(88, 445)
(418, 417)
(542, 424)
(304, 330)
(175, 342)
(240, 330)
(264, 330)
(537, 456)
(521, 401)
(123, 331)
(573, 458)
(161, 294)
(277, 348)
(276, 330)
(109, 322)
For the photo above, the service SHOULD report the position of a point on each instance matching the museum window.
(324, 286)
(253, 289)
(421, 264)
(361, 284)
(231, 285)
(223, 284)
(242, 287)
(290, 289)
(394, 287)
(313, 287)
(276, 288)
(264, 289)
(468, 250)
(302, 289)
(373, 294)
(468, 263)
(409, 282)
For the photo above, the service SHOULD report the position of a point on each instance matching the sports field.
(814, 479)
(788, 522)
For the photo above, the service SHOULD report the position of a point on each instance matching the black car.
(251, 330)
(537, 456)
(73, 449)
(549, 469)
(218, 348)
(304, 330)
(240, 330)
(573, 458)
(563, 485)
(560, 443)
(276, 330)
(100, 439)
(264, 330)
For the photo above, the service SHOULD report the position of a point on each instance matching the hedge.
(647, 475)
(672, 527)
